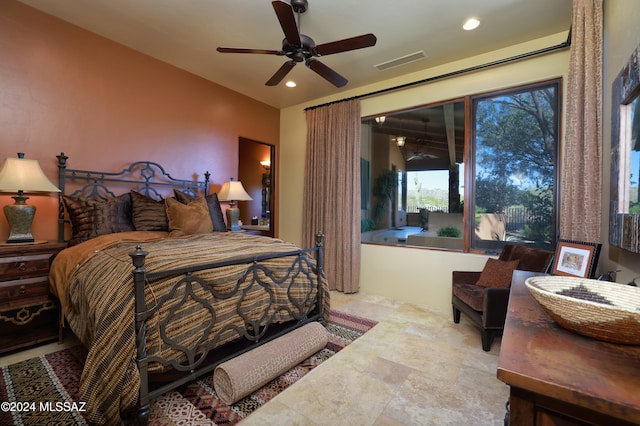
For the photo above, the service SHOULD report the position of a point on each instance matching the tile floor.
(416, 367)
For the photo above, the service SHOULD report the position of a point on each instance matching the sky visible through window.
(430, 189)
(433, 179)
(635, 176)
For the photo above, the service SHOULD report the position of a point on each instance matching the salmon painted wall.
(63, 89)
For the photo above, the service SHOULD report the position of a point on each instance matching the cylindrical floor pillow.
(238, 377)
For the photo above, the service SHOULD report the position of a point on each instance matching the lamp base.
(20, 217)
(233, 215)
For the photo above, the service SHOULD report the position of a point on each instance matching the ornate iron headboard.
(145, 177)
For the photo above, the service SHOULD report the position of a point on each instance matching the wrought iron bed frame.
(146, 177)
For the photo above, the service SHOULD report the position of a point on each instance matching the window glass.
(514, 168)
(634, 149)
(429, 189)
(420, 190)
(415, 157)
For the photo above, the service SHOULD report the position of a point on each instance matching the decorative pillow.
(188, 219)
(497, 273)
(215, 211)
(91, 217)
(148, 214)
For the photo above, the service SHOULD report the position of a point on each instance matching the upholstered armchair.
(483, 296)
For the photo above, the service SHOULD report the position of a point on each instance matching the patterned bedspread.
(94, 284)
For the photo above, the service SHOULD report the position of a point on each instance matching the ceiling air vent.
(412, 57)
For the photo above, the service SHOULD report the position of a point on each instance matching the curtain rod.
(542, 51)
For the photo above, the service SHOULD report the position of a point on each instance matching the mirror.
(624, 209)
(255, 171)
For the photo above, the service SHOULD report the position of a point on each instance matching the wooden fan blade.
(281, 73)
(287, 19)
(327, 73)
(240, 50)
(353, 43)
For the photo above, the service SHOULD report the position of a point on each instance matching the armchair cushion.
(471, 295)
(497, 273)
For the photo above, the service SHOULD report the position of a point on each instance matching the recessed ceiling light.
(471, 24)
(290, 84)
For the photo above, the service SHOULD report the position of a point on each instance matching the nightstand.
(256, 229)
(28, 310)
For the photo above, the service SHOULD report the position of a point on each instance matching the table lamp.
(233, 191)
(20, 174)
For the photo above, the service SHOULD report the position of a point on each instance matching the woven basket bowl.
(580, 305)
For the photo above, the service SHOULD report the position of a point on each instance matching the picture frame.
(576, 258)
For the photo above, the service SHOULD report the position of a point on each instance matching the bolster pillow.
(238, 377)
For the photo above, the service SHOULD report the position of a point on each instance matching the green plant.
(384, 189)
(539, 203)
(449, 231)
(366, 224)
(385, 185)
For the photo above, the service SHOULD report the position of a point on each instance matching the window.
(424, 192)
(514, 143)
(429, 189)
(414, 155)
(634, 158)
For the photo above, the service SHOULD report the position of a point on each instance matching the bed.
(157, 290)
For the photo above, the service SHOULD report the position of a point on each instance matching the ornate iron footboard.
(204, 359)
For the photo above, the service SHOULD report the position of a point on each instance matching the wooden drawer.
(20, 292)
(28, 311)
(28, 325)
(24, 266)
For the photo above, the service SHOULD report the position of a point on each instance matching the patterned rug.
(44, 390)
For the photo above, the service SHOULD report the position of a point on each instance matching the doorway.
(256, 172)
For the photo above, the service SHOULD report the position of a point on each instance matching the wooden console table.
(561, 378)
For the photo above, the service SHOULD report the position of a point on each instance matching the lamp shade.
(233, 191)
(20, 174)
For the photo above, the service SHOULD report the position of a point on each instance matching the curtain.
(581, 184)
(331, 203)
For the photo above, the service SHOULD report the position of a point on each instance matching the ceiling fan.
(418, 155)
(301, 48)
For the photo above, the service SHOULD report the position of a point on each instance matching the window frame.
(469, 194)
(471, 102)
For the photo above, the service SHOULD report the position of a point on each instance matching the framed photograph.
(576, 258)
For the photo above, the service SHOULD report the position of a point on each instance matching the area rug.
(44, 390)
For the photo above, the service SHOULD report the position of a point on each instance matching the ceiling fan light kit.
(298, 47)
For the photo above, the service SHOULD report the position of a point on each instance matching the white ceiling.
(185, 33)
